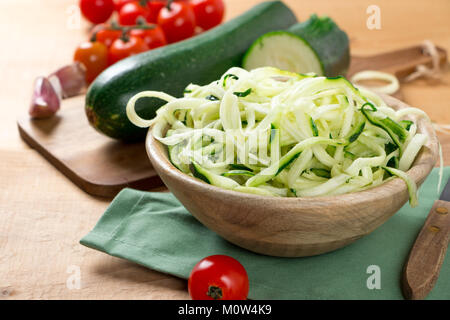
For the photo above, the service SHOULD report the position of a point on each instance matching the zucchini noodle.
(390, 88)
(276, 133)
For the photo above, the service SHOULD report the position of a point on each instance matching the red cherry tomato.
(177, 22)
(94, 56)
(130, 12)
(154, 7)
(97, 28)
(218, 277)
(97, 11)
(107, 36)
(121, 49)
(120, 3)
(208, 13)
(154, 38)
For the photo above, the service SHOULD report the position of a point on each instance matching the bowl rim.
(421, 167)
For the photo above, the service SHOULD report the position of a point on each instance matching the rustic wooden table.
(43, 215)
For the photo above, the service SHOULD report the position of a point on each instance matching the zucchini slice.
(284, 50)
(356, 132)
(316, 45)
(209, 177)
(238, 173)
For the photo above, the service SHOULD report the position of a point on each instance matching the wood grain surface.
(99, 165)
(43, 215)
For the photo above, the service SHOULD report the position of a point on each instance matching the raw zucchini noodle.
(389, 88)
(276, 133)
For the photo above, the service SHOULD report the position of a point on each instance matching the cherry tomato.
(208, 13)
(177, 22)
(154, 7)
(97, 11)
(120, 3)
(218, 277)
(154, 38)
(108, 36)
(94, 56)
(130, 12)
(121, 49)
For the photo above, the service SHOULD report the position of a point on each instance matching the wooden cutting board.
(97, 164)
(102, 166)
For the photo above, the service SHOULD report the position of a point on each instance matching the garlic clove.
(45, 102)
(70, 79)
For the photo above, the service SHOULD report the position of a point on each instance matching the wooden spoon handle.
(425, 259)
(401, 62)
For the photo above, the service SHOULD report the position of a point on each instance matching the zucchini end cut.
(285, 51)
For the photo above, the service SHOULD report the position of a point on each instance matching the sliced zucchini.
(321, 172)
(284, 50)
(357, 130)
(238, 173)
(316, 45)
(209, 177)
(397, 133)
(406, 124)
(288, 158)
(314, 129)
(257, 191)
(239, 167)
(410, 184)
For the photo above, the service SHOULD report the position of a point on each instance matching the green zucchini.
(397, 133)
(321, 173)
(209, 177)
(287, 161)
(272, 171)
(314, 129)
(406, 124)
(200, 60)
(356, 132)
(238, 173)
(316, 45)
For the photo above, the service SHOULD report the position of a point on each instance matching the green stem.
(141, 24)
(215, 292)
(169, 4)
(124, 36)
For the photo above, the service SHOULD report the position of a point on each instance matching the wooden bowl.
(293, 227)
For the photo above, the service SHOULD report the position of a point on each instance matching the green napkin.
(155, 230)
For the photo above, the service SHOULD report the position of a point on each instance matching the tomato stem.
(141, 23)
(215, 292)
(115, 25)
(169, 4)
(124, 37)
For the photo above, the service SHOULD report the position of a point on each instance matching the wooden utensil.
(427, 255)
(293, 227)
(102, 166)
(400, 62)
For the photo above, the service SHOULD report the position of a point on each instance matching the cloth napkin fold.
(156, 231)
